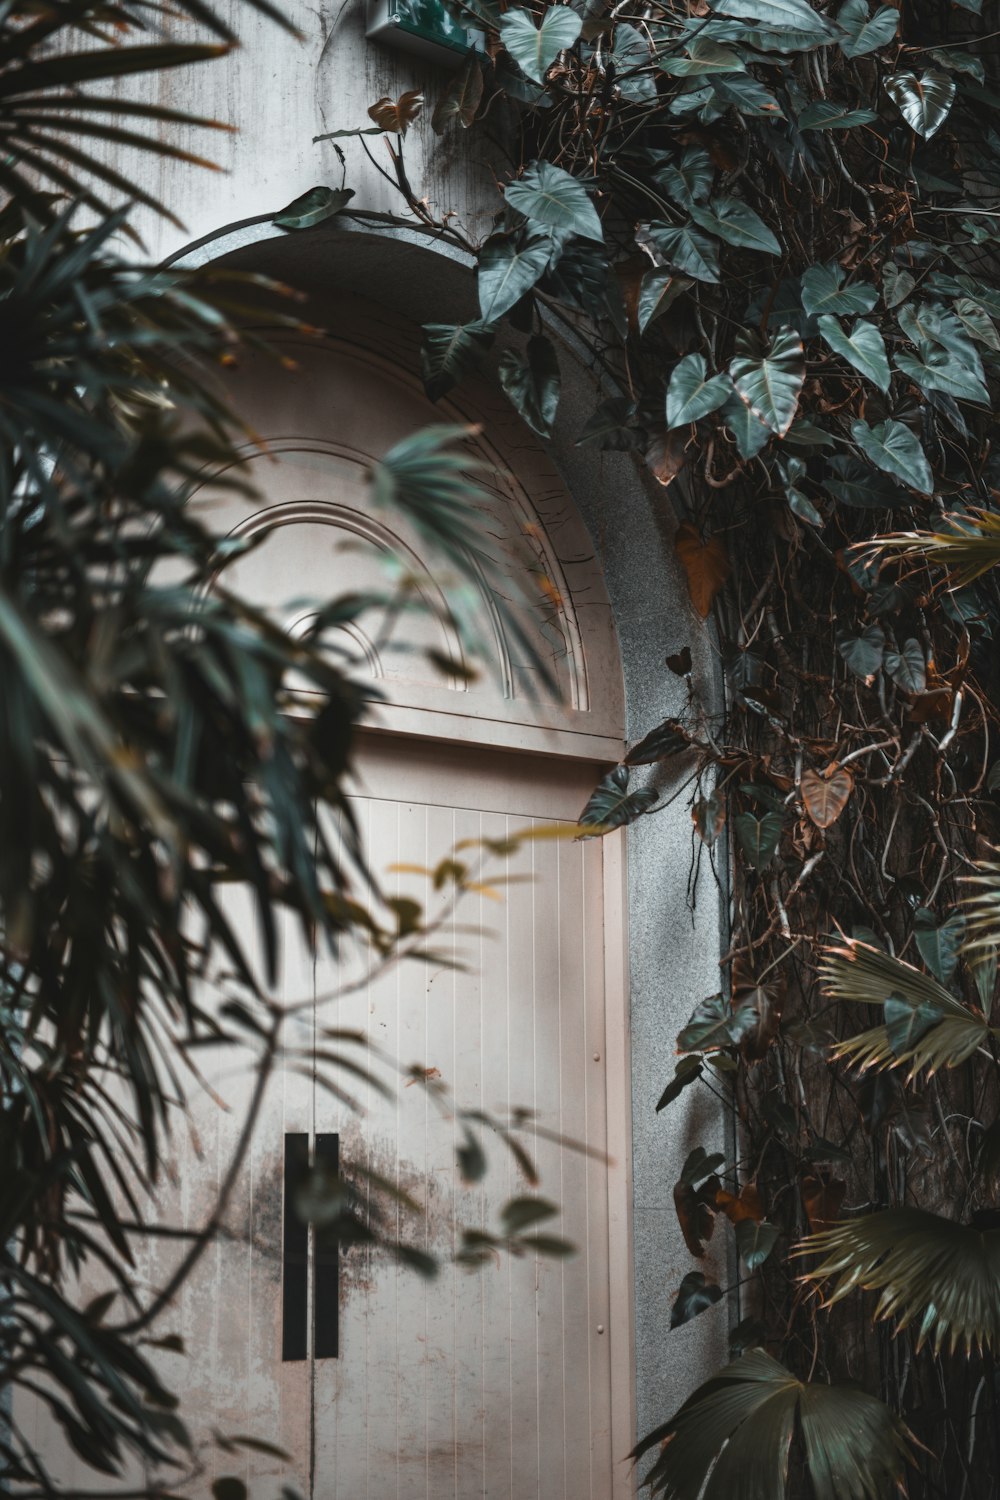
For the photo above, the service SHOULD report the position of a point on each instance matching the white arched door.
(513, 1381)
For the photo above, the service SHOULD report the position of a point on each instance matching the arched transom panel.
(323, 415)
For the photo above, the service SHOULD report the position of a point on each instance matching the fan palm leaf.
(926, 1028)
(929, 1270)
(968, 551)
(732, 1438)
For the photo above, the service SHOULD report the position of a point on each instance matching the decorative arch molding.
(331, 408)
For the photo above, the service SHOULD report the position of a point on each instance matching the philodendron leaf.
(893, 449)
(535, 48)
(660, 289)
(531, 381)
(755, 1242)
(687, 1071)
(703, 56)
(463, 96)
(749, 433)
(667, 739)
(733, 1434)
(823, 291)
(863, 348)
(977, 323)
(770, 382)
(906, 1024)
(507, 271)
(939, 943)
(632, 59)
(689, 180)
(863, 653)
(313, 207)
(609, 426)
(942, 369)
(907, 667)
(681, 246)
(692, 393)
(612, 805)
(694, 1295)
(863, 34)
(827, 114)
(714, 1024)
(450, 351)
(923, 102)
(795, 15)
(758, 837)
(736, 223)
(547, 195)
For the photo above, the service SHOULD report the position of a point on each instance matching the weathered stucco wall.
(277, 92)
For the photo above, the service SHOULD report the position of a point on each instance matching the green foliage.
(733, 1437)
(791, 305)
(929, 1270)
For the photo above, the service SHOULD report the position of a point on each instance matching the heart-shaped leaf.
(795, 15)
(609, 426)
(770, 383)
(823, 291)
(827, 114)
(694, 1295)
(660, 289)
(687, 1071)
(825, 796)
(531, 381)
(713, 1024)
(893, 449)
(692, 393)
(907, 667)
(703, 56)
(941, 369)
(749, 433)
(548, 195)
(863, 34)
(679, 245)
(863, 653)
(506, 271)
(689, 180)
(706, 565)
(758, 837)
(313, 207)
(923, 102)
(633, 63)
(668, 738)
(463, 96)
(853, 482)
(709, 817)
(535, 48)
(939, 942)
(449, 352)
(863, 348)
(755, 1242)
(399, 114)
(612, 805)
(737, 224)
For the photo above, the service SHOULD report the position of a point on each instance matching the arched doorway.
(513, 1381)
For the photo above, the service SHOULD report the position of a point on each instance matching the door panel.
(489, 1383)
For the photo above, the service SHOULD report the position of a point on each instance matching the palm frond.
(926, 1268)
(732, 1438)
(926, 1028)
(968, 551)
